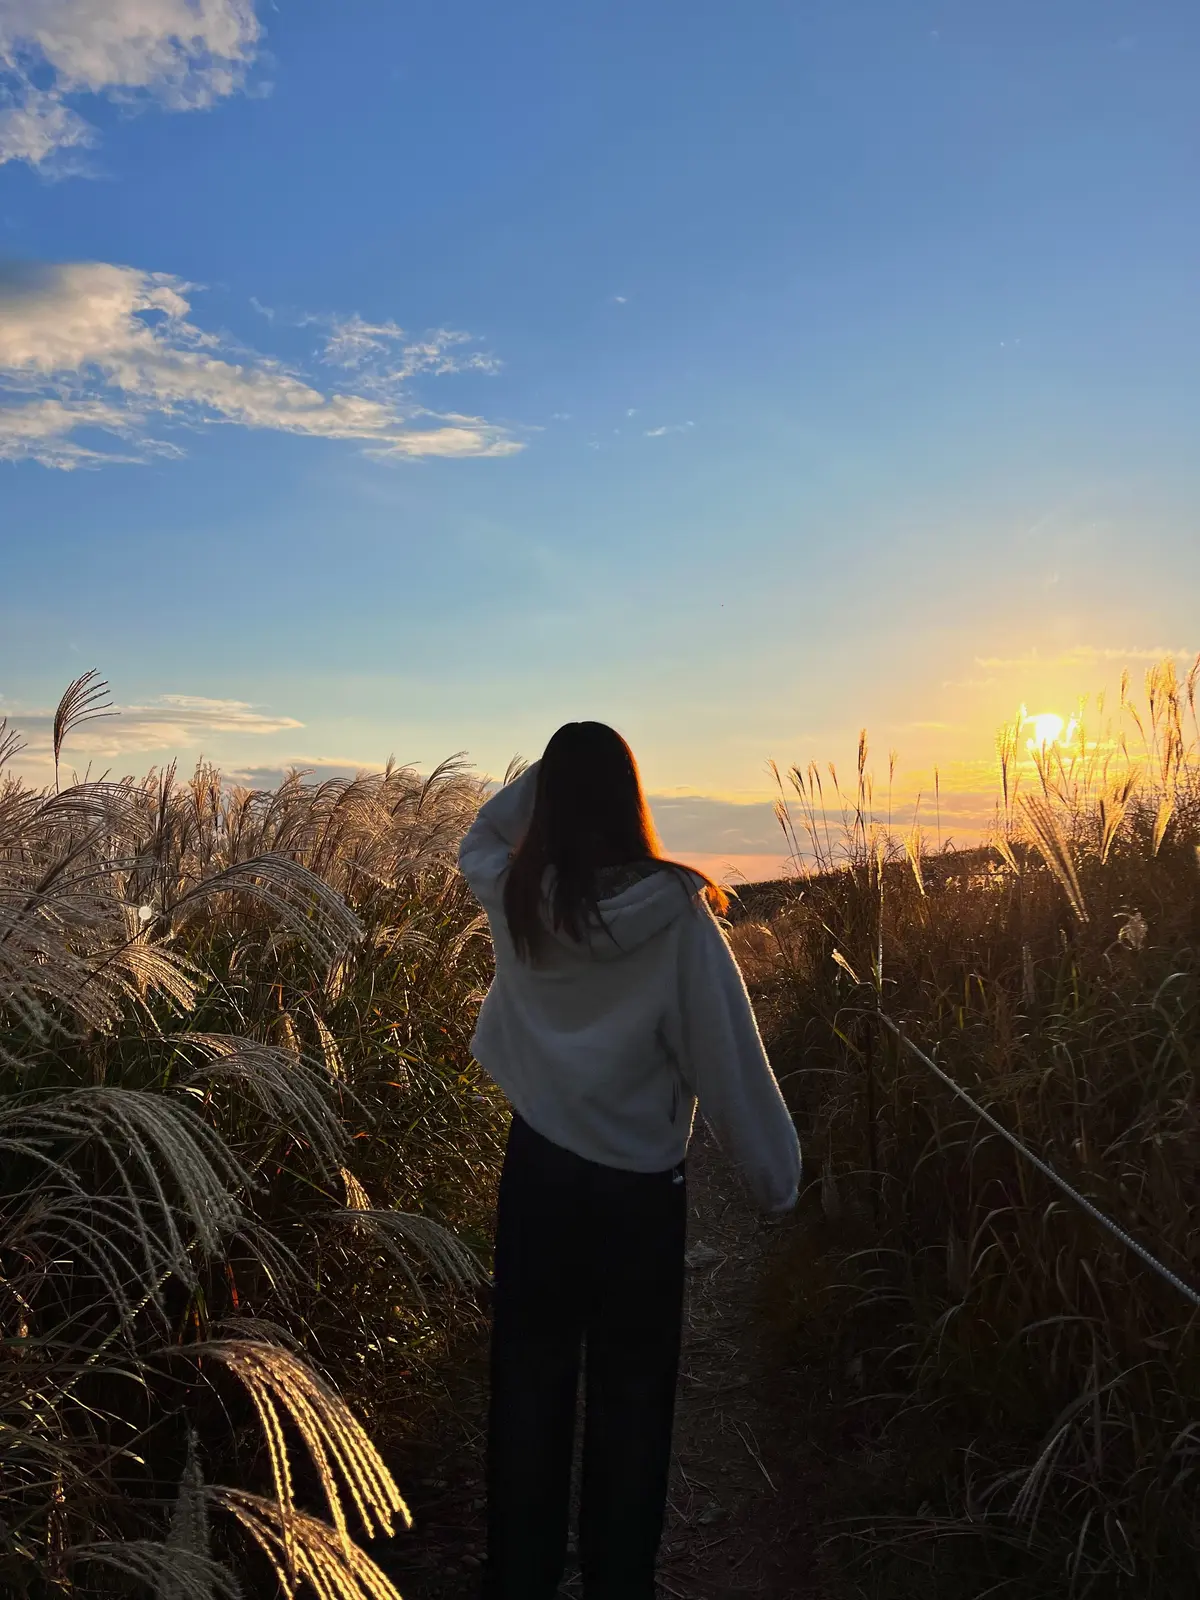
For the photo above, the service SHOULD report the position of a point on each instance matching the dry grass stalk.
(291, 1090)
(281, 1386)
(398, 1234)
(213, 1003)
(1058, 976)
(302, 1550)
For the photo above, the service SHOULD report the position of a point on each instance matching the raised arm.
(498, 827)
(722, 1057)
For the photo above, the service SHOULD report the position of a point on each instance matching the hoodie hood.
(632, 916)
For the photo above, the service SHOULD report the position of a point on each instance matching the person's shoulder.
(688, 887)
(688, 892)
(705, 928)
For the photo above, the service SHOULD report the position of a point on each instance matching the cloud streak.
(385, 357)
(166, 724)
(1084, 655)
(670, 427)
(97, 360)
(179, 55)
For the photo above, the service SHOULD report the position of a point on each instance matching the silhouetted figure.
(616, 1007)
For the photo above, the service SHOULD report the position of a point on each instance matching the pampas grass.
(1039, 1387)
(239, 1132)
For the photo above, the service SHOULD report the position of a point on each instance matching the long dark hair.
(589, 811)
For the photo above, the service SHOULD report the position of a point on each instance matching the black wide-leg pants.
(586, 1255)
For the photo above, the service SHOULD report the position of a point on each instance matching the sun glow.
(1048, 729)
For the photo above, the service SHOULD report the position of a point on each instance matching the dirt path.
(738, 1519)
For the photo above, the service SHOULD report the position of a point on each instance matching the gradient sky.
(406, 378)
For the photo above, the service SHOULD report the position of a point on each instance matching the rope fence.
(1043, 1167)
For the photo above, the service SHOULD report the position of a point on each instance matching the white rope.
(1048, 1171)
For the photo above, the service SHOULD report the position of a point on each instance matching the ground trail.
(738, 1519)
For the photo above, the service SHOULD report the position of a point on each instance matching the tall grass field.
(1030, 1387)
(244, 1168)
(247, 1165)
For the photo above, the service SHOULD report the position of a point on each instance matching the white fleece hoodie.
(606, 1047)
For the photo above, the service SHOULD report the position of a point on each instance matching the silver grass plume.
(302, 1550)
(280, 1385)
(150, 1140)
(83, 701)
(293, 1091)
(400, 1234)
(170, 1572)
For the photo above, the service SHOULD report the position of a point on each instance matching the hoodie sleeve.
(721, 1056)
(498, 827)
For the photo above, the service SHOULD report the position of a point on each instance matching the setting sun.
(1048, 729)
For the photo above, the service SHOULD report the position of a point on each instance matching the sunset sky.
(391, 378)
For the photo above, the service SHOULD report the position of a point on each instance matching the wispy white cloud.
(670, 427)
(44, 430)
(384, 356)
(35, 124)
(110, 352)
(180, 55)
(166, 722)
(202, 711)
(1085, 655)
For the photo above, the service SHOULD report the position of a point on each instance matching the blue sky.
(405, 378)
